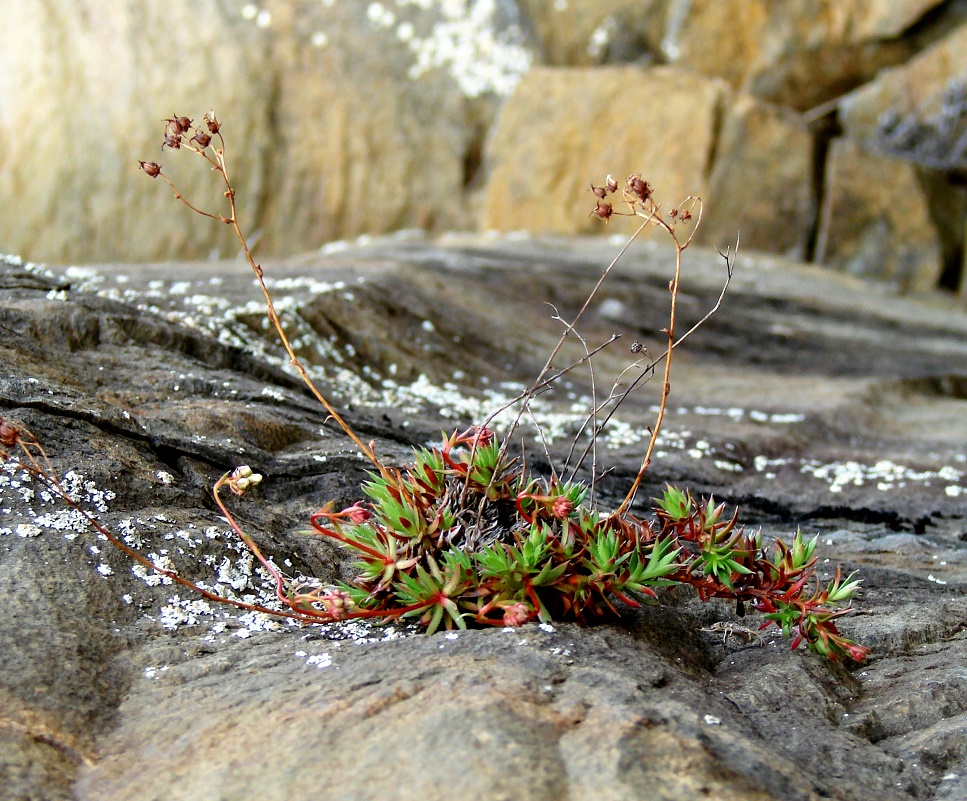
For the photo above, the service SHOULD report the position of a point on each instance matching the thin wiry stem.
(50, 481)
(570, 327)
(593, 416)
(539, 381)
(220, 165)
(648, 372)
(594, 401)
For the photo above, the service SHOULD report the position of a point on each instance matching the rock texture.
(762, 175)
(583, 33)
(915, 87)
(545, 151)
(345, 118)
(798, 53)
(876, 221)
(350, 119)
(810, 400)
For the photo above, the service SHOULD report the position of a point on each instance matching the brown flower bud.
(212, 123)
(202, 139)
(175, 126)
(640, 189)
(178, 124)
(602, 210)
(152, 169)
(9, 433)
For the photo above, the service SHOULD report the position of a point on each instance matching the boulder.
(876, 220)
(563, 129)
(798, 53)
(916, 88)
(582, 33)
(808, 400)
(340, 119)
(761, 182)
(76, 121)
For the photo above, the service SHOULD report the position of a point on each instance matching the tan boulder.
(761, 183)
(84, 91)
(341, 118)
(915, 88)
(582, 33)
(563, 129)
(876, 220)
(793, 52)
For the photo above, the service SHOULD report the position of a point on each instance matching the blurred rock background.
(832, 131)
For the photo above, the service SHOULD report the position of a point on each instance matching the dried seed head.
(611, 184)
(636, 347)
(202, 139)
(599, 191)
(686, 216)
(9, 434)
(178, 125)
(152, 169)
(603, 211)
(639, 188)
(243, 479)
(213, 124)
(172, 140)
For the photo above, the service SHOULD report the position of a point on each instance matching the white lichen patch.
(320, 661)
(42, 510)
(28, 530)
(466, 38)
(884, 475)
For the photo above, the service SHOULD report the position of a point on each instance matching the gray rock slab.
(811, 401)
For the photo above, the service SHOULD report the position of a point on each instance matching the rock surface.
(346, 118)
(875, 219)
(584, 33)
(762, 175)
(367, 117)
(916, 86)
(810, 400)
(546, 151)
(799, 53)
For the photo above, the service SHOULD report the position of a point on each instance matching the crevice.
(270, 146)
(783, 513)
(947, 203)
(824, 130)
(936, 23)
(718, 121)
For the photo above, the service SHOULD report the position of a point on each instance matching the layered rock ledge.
(810, 400)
